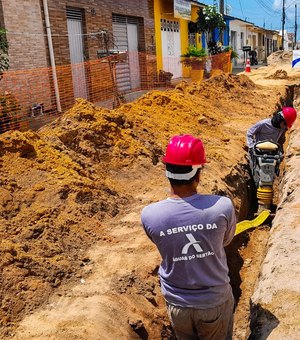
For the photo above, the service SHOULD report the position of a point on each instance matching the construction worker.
(271, 129)
(190, 231)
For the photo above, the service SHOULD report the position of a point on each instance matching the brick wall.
(97, 15)
(23, 22)
(27, 50)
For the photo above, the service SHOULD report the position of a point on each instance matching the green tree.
(209, 20)
(8, 103)
(4, 61)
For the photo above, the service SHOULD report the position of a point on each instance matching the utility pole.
(295, 43)
(221, 10)
(283, 22)
(222, 7)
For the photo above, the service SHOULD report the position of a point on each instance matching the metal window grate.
(120, 19)
(74, 13)
(169, 25)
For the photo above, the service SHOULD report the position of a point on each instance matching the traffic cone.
(248, 68)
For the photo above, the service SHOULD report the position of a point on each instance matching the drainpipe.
(51, 53)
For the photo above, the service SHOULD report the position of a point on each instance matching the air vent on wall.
(74, 13)
(120, 19)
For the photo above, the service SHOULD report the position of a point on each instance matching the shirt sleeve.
(251, 134)
(144, 223)
(231, 226)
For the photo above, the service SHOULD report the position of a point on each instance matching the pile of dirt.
(51, 209)
(280, 57)
(58, 185)
(279, 74)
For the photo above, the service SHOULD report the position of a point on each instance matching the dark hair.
(181, 169)
(277, 119)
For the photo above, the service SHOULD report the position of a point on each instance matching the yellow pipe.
(260, 219)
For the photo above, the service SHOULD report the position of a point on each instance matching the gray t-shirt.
(190, 234)
(263, 130)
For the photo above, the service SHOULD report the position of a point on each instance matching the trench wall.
(275, 311)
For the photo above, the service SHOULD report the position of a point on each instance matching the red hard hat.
(289, 115)
(185, 150)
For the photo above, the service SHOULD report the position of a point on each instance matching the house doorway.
(171, 47)
(76, 46)
(233, 43)
(125, 31)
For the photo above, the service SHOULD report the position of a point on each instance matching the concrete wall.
(240, 28)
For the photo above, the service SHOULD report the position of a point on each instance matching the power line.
(271, 12)
(291, 4)
(241, 8)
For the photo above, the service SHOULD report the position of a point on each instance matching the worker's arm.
(231, 225)
(251, 135)
(144, 219)
(281, 140)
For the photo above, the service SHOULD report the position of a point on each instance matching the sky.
(264, 12)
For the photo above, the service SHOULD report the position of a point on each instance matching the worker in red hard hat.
(190, 231)
(271, 129)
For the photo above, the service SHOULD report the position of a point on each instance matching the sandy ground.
(72, 270)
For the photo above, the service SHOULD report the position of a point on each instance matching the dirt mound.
(279, 74)
(50, 207)
(58, 185)
(280, 57)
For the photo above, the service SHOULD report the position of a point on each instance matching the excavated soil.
(73, 253)
(279, 74)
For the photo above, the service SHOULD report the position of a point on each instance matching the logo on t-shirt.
(193, 242)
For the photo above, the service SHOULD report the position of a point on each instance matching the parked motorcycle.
(253, 57)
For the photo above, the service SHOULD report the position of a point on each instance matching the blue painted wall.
(216, 35)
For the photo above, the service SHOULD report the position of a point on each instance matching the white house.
(243, 34)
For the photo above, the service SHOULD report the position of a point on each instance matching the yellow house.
(172, 33)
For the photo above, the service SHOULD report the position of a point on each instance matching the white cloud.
(289, 4)
(277, 4)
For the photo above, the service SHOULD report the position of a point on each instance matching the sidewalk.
(237, 69)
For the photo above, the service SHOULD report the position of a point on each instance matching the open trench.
(135, 295)
(247, 251)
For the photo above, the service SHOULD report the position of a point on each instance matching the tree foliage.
(208, 22)
(209, 19)
(4, 61)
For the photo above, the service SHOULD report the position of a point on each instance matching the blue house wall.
(226, 41)
(216, 34)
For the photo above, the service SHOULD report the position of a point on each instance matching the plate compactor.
(265, 159)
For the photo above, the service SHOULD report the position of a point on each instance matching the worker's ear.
(197, 177)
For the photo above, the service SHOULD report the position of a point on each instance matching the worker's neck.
(183, 191)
